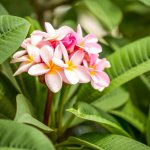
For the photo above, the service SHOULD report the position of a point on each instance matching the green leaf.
(148, 129)
(16, 135)
(97, 141)
(103, 11)
(3, 11)
(112, 100)
(13, 30)
(132, 114)
(87, 112)
(129, 62)
(145, 2)
(24, 114)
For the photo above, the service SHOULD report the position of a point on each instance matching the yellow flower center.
(71, 66)
(93, 68)
(53, 68)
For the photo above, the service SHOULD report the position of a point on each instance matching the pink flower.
(32, 56)
(62, 55)
(87, 43)
(47, 68)
(73, 70)
(96, 66)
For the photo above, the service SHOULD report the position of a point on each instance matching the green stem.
(67, 123)
(62, 104)
(47, 107)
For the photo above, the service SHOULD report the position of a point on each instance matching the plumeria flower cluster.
(63, 56)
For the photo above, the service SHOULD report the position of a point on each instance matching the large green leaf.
(132, 114)
(97, 141)
(88, 112)
(3, 11)
(112, 100)
(20, 136)
(129, 62)
(24, 114)
(103, 11)
(13, 30)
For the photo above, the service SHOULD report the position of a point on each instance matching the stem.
(62, 103)
(67, 123)
(47, 107)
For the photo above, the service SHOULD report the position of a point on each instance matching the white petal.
(79, 31)
(21, 59)
(19, 53)
(35, 39)
(65, 53)
(82, 74)
(96, 86)
(71, 76)
(58, 52)
(53, 81)
(46, 53)
(59, 62)
(49, 28)
(38, 69)
(24, 67)
(77, 57)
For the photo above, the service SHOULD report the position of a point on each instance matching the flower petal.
(77, 57)
(46, 54)
(64, 51)
(59, 62)
(79, 31)
(92, 48)
(34, 53)
(101, 64)
(82, 74)
(71, 76)
(20, 59)
(24, 67)
(90, 38)
(35, 39)
(19, 53)
(96, 86)
(58, 52)
(49, 28)
(38, 69)
(53, 81)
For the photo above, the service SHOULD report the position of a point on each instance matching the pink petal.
(59, 62)
(38, 69)
(24, 67)
(77, 57)
(21, 59)
(63, 31)
(82, 74)
(71, 76)
(79, 31)
(46, 54)
(101, 64)
(90, 38)
(34, 53)
(93, 48)
(19, 53)
(58, 52)
(35, 39)
(96, 86)
(26, 42)
(53, 81)
(93, 59)
(49, 28)
(64, 51)
(40, 33)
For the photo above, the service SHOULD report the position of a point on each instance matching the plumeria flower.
(47, 68)
(32, 56)
(73, 70)
(62, 55)
(87, 43)
(96, 66)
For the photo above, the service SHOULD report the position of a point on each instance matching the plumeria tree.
(74, 75)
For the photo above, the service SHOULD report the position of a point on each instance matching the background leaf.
(16, 135)
(13, 30)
